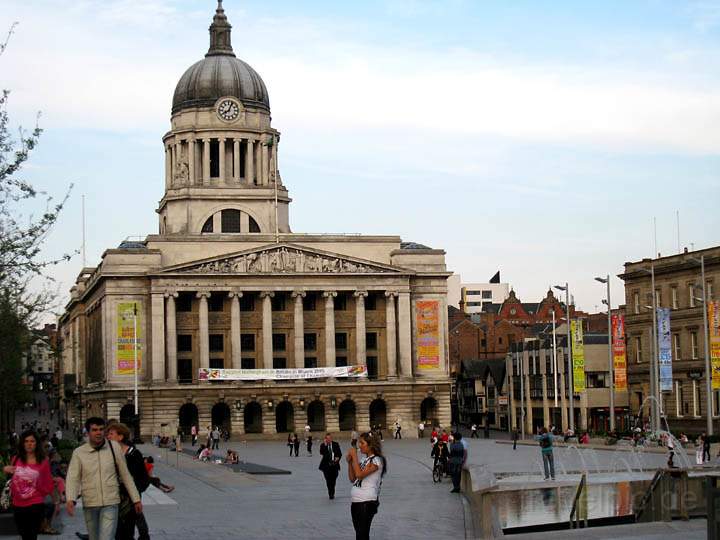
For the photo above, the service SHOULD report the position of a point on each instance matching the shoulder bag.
(126, 504)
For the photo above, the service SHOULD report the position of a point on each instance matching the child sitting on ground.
(154, 480)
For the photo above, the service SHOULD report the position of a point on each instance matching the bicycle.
(439, 470)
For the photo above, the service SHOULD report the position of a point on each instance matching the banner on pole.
(578, 356)
(714, 323)
(211, 374)
(428, 334)
(619, 352)
(664, 349)
(125, 359)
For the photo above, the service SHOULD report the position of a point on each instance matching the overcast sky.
(538, 138)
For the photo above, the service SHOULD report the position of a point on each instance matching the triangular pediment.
(284, 258)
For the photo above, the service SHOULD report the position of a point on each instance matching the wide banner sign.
(210, 374)
(664, 349)
(578, 356)
(619, 352)
(714, 323)
(126, 337)
(428, 334)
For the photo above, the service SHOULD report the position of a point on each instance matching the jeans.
(362, 515)
(548, 461)
(101, 521)
(28, 520)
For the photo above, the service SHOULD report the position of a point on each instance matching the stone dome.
(220, 74)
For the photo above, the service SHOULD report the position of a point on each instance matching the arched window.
(230, 220)
(254, 227)
(208, 227)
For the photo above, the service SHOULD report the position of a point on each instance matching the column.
(206, 162)
(563, 403)
(264, 163)
(235, 329)
(171, 337)
(276, 167)
(258, 163)
(299, 329)
(173, 162)
(191, 162)
(528, 392)
(168, 167)
(360, 331)
(157, 314)
(329, 326)
(390, 333)
(221, 174)
(267, 328)
(236, 160)
(204, 345)
(249, 170)
(404, 337)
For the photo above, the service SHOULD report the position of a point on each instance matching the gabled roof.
(479, 369)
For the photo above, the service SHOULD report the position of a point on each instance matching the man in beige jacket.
(92, 475)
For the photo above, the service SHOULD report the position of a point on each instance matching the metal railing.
(575, 512)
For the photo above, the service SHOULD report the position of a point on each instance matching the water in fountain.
(582, 459)
(679, 450)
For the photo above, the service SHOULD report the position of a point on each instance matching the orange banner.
(428, 334)
(619, 353)
(714, 324)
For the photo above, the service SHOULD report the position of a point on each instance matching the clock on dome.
(228, 110)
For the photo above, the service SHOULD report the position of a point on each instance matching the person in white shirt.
(366, 476)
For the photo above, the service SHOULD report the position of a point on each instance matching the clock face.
(228, 110)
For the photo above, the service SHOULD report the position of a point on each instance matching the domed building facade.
(234, 320)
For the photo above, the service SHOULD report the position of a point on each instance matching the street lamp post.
(606, 280)
(571, 420)
(654, 371)
(708, 373)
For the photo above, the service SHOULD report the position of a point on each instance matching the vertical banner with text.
(714, 323)
(578, 356)
(428, 333)
(126, 337)
(664, 348)
(618, 352)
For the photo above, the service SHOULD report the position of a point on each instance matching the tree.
(25, 292)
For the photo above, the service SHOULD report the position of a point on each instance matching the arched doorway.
(284, 417)
(378, 413)
(316, 415)
(188, 417)
(220, 416)
(429, 411)
(126, 414)
(347, 416)
(252, 417)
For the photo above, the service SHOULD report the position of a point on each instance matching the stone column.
(265, 165)
(221, 174)
(236, 160)
(329, 327)
(235, 329)
(157, 314)
(249, 158)
(171, 337)
(191, 162)
(299, 329)
(206, 162)
(390, 333)
(405, 337)
(204, 344)
(173, 162)
(168, 168)
(360, 331)
(258, 163)
(276, 167)
(528, 392)
(267, 328)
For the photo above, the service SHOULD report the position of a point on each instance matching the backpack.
(545, 441)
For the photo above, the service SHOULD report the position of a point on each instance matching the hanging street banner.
(578, 356)
(126, 337)
(664, 349)
(428, 334)
(618, 352)
(211, 374)
(714, 323)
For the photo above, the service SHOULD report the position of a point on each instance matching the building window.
(372, 367)
(216, 363)
(310, 341)
(709, 290)
(215, 302)
(371, 302)
(341, 340)
(487, 295)
(340, 302)
(230, 221)
(310, 362)
(254, 227)
(247, 342)
(208, 226)
(674, 297)
(247, 302)
(247, 363)
(638, 349)
(597, 380)
(341, 361)
(184, 343)
(695, 400)
(658, 298)
(278, 302)
(691, 292)
(216, 342)
(371, 340)
(183, 303)
(278, 341)
(678, 399)
(676, 347)
(214, 158)
(693, 345)
(279, 363)
(309, 302)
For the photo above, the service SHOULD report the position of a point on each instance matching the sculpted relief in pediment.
(283, 260)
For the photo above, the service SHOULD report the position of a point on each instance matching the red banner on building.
(619, 352)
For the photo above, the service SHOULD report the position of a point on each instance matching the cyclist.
(441, 454)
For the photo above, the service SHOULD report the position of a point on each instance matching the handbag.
(6, 495)
(126, 505)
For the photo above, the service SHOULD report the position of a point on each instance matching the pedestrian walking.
(97, 472)
(456, 462)
(421, 429)
(487, 428)
(671, 453)
(706, 447)
(699, 450)
(398, 430)
(296, 444)
(546, 450)
(31, 482)
(366, 476)
(514, 438)
(473, 432)
(215, 435)
(330, 463)
(290, 443)
(308, 444)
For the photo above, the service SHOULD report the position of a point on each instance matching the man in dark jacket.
(330, 463)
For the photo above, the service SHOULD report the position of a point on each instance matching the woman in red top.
(31, 483)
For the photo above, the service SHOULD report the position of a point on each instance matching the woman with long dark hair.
(366, 476)
(31, 483)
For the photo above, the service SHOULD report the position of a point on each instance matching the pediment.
(284, 258)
